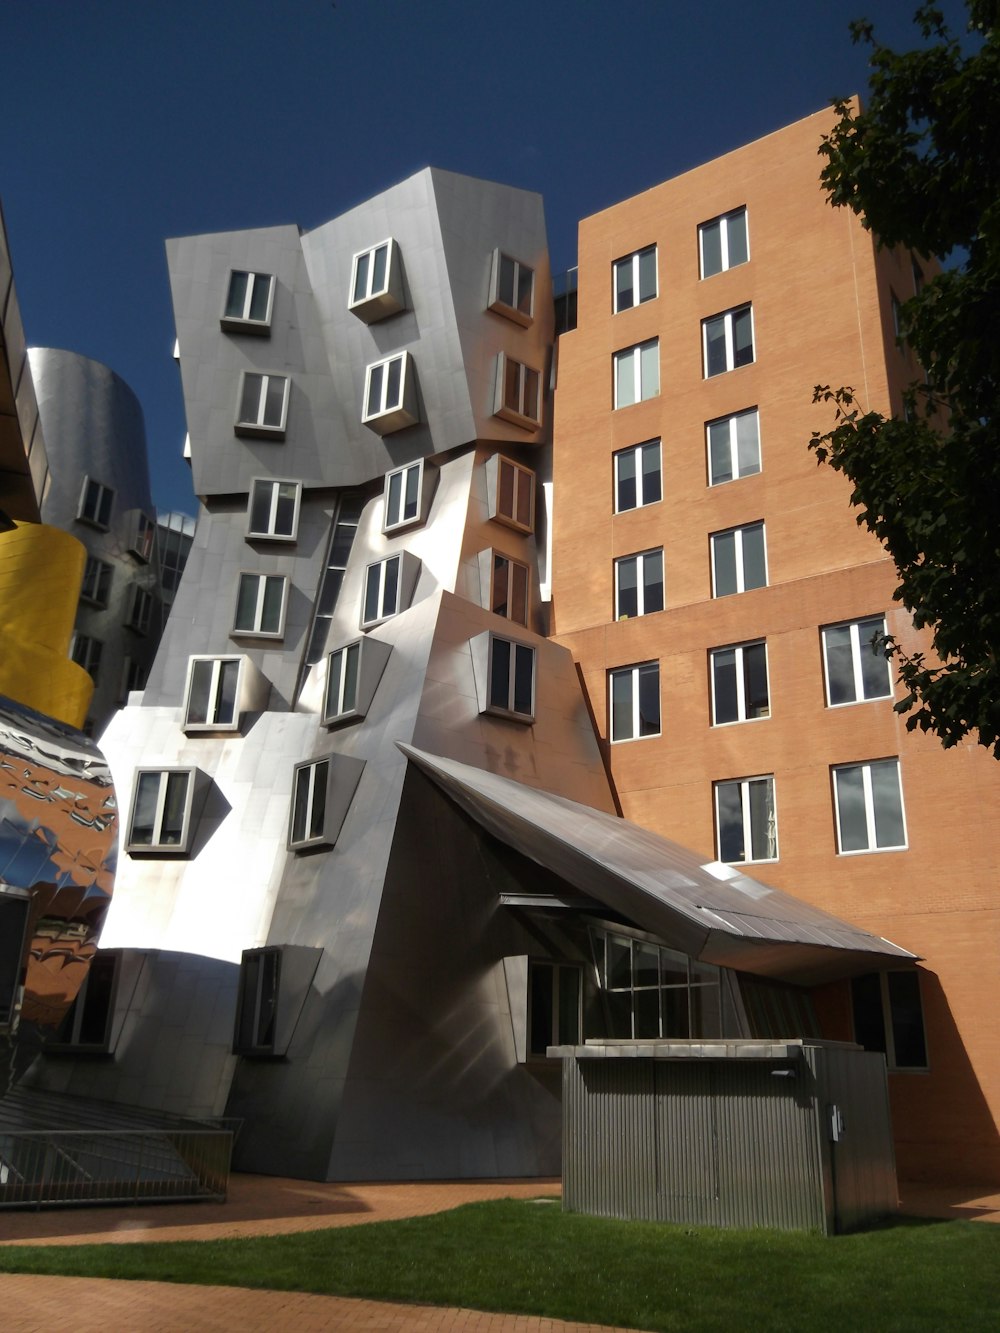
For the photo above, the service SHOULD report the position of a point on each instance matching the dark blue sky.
(128, 121)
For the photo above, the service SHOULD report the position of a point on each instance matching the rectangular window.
(514, 502)
(402, 496)
(274, 509)
(342, 682)
(733, 447)
(88, 1021)
(869, 804)
(739, 683)
(509, 588)
(516, 398)
(309, 793)
(635, 278)
(97, 575)
(634, 701)
(248, 302)
(133, 678)
(649, 991)
(723, 242)
(746, 824)
(739, 561)
(384, 386)
(512, 288)
(554, 1006)
(96, 500)
(639, 584)
(889, 1017)
(727, 340)
(512, 679)
(382, 590)
(857, 668)
(140, 610)
(257, 1008)
(260, 605)
(637, 373)
(86, 652)
(212, 694)
(638, 479)
(376, 282)
(263, 405)
(142, 537)
(160, 819)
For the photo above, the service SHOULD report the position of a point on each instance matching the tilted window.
(727, 340)
(638, 479)
(635, 278)
(889, 1017)
(407, 495)
(97, 576)
(509, 582)
(512, 288)
(352, 677)
(260, 605)
(857, 669)
(143, 537)
(382, 590)
(86, 652)
(723, 242)
(212, 694)
(249, 300)
(733, 447)
(257, 1009)
(322, 792)
(96, 501)
(637, 373)
(376, 282)
(739, 683)
(639, 584)
(160, 819)
(512, 679)
(390, 394)
(511, 491)
(634, 701)
(140, 610)
(869, 804)
(263, 408)
(650, 991)
(273, 512)
(739, 561)
(517, 396)
(746, 824)
(555, 1006)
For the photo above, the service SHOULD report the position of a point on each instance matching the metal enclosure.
(792, 1134)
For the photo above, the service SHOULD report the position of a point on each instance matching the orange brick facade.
(821, 299)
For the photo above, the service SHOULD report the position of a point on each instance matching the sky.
(129, 121)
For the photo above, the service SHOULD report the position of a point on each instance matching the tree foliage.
(920, 165)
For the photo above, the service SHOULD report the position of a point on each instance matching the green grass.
(528, 1258)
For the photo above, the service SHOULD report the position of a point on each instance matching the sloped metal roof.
(710, 911)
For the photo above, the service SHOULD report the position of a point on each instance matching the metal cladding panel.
(686, 1115)
(609, 1138)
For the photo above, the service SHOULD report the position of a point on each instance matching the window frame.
(343, 710)
(744, 785)
(98, 576)
(641, 559)
(517, 572)
(86, 652)
(156, 846)
(634, 261)
(556, 970)
(888, 1019)
(381, 614)
(262, 581)
(739, 559)
(728, 324)
(741, 677)
(389, 524)
(734, 455)
(255, 1003)
(260, 427)
(377, 303)
(723, 222)
(858, 649)
(320, 838)
(636, 451)
(217, 662)
(96, 504)
(245, 322)
(635, 353)
(633, 673)
(143, 537)
(871, 816)
(516, 647)
(497, 303)
(520, 476)
(517, 413)
(140, 609)
(401, 411)
(271, 535)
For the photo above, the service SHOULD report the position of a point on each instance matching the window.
(140, 611)
(723, 242)
(88, 1020)
(733, 447)
(512, 679)
(263, 405)
(888, 1017)
(739, 683)
(248, 302)
(869, 803)
(403, 497)
(160, 819)
(97, 577)
(639, 584)
(516, 397)
(739, 562)
(746, 825)
(96, 500)
(257, 1007)
(509, 588)
(637, 373)
(342, 682)
(856, 665)
(343, 530)
(634, 701)
(309, 794)
(260, 605)
(86, 652)
(554, 1006)
(512, 288)
(212, 694)
(390, 394)
(274, 509)
(635, 279)
(376, 282)
(511, 491)
(133, 678)
(637, 476)
(897, 317)
(649, 991)
(727, 340)
(382, 598)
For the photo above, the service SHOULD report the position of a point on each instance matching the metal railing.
(53, 1168)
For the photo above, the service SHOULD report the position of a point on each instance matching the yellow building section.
(41, 569)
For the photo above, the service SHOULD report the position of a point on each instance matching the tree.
(920, 165)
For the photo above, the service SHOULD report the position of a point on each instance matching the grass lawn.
(531, 1258)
